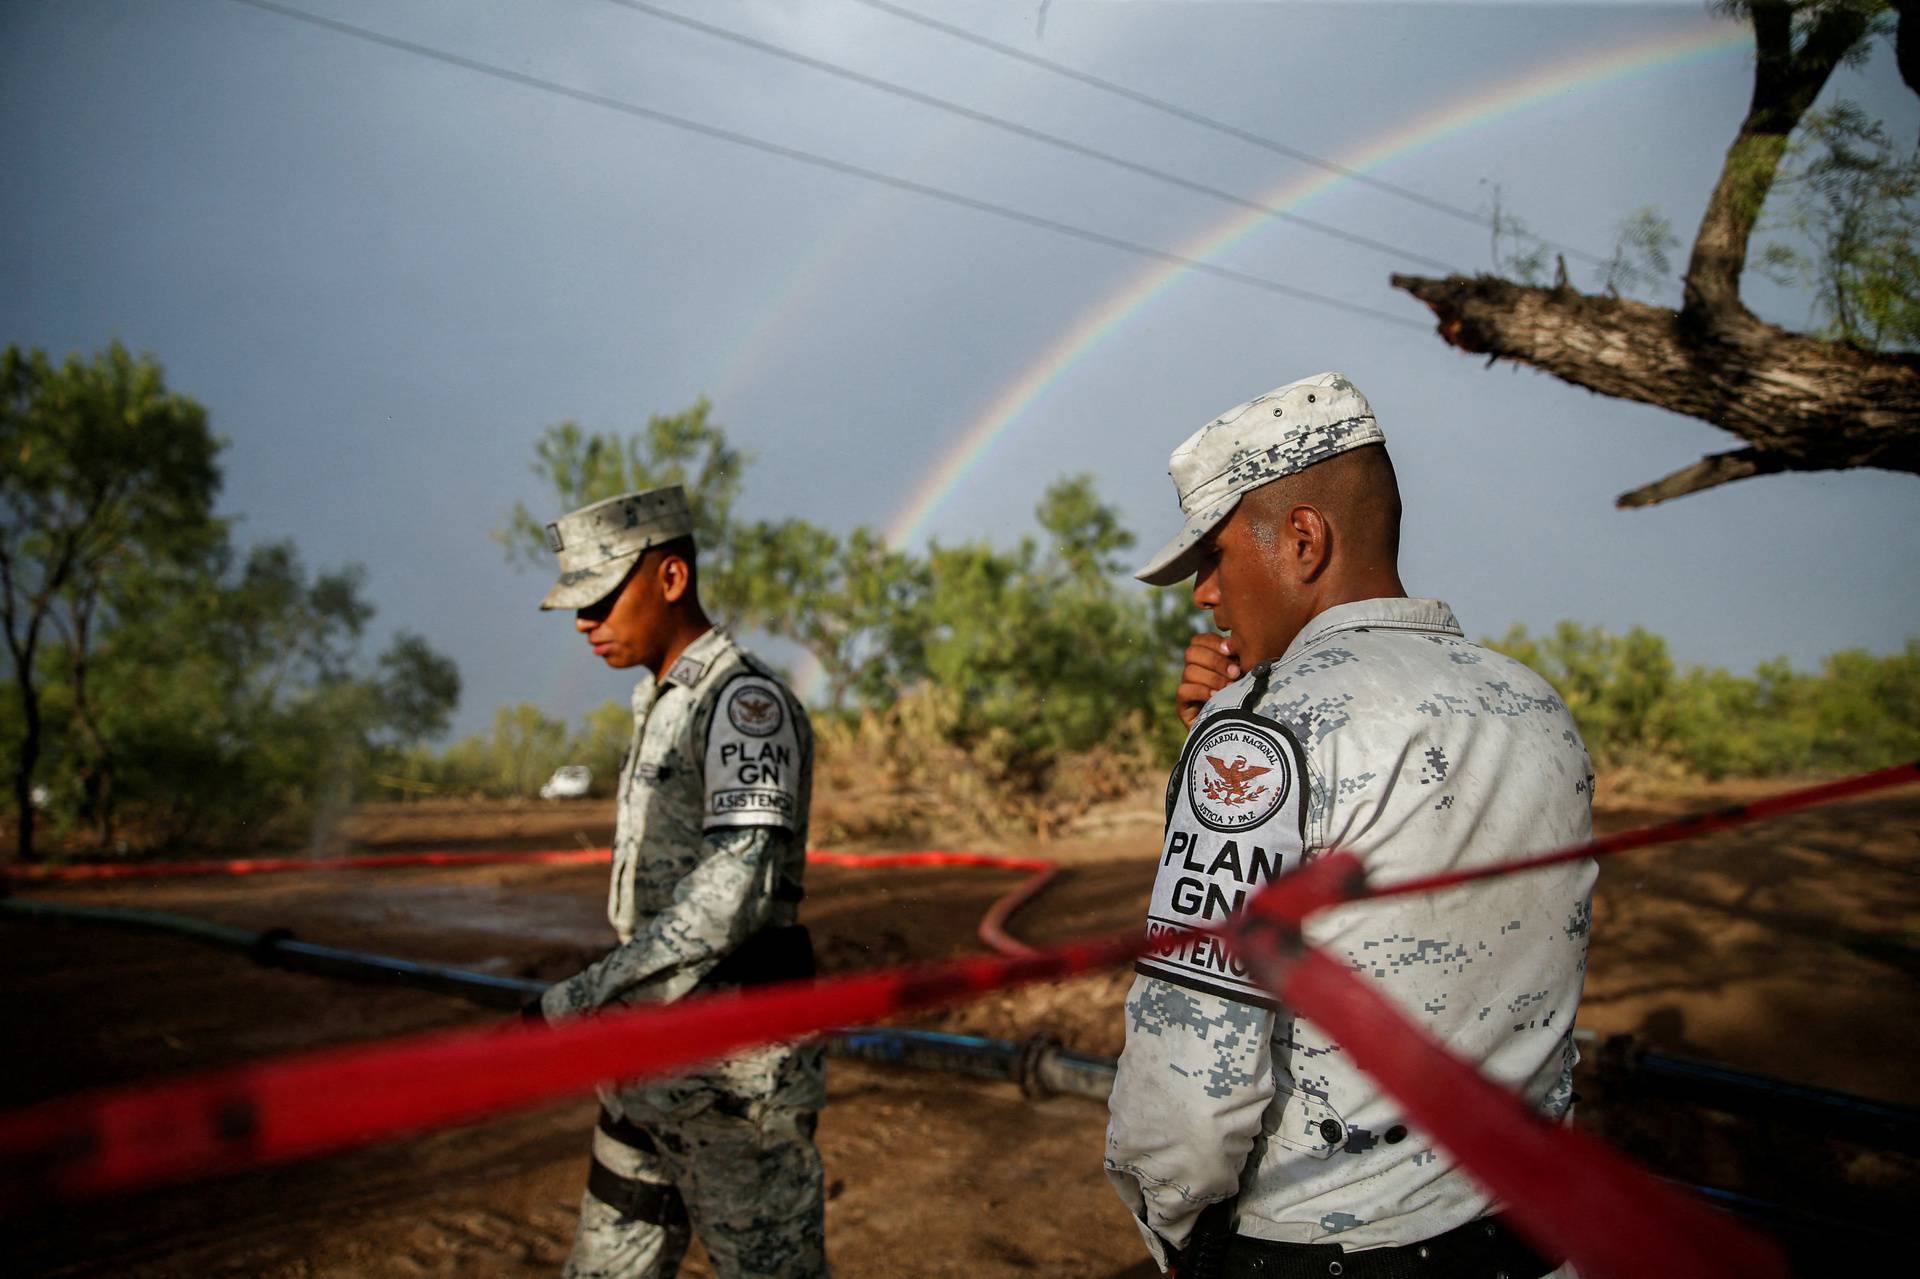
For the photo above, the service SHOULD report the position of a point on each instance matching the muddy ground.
(1790, 950)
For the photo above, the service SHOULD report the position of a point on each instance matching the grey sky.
(384, 276)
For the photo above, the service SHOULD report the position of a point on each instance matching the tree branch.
(1804, 403)
(1906, 42)
(1709, 472)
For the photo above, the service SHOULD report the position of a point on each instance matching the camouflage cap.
(1278, 434)
(597, 544)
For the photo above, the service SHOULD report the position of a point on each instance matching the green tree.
(418, 689)
(107, 475)
(517, 754)
(601, 743)
(1049, 649)
(237, 695)
(1854, 200)
(579, 467)
(1860, 711)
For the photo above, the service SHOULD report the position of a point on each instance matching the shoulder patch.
(1235, 822)
(755, 761)
(686, 672)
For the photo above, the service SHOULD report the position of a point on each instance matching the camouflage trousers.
(749, 1185)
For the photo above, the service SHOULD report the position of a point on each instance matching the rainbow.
(1582, 73)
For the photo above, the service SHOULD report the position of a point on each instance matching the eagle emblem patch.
(1236, 776)
(755, 711)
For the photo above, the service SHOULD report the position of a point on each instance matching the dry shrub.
(918, 767)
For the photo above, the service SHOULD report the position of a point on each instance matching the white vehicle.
(569, 781)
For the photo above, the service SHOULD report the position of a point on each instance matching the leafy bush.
(1859, 712)
(167, 687)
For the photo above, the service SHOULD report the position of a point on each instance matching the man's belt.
(1483, 1249)
(626, 1132)
(783, 953)
(656, 1203)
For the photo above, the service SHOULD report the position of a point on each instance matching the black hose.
(1703, 1083)
(279, 948)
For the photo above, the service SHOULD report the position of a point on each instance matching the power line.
(825, 162)
(1206, 121)
(1025, 131)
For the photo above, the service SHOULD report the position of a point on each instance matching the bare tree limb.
(1806, 403)
(1906, 42)
(1709, 472)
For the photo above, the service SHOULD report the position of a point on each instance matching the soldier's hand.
(1213, 662)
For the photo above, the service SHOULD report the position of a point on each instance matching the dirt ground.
(1789, 950)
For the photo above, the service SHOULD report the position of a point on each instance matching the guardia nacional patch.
(753, 759)
(755, 710)
(1236, 820)
(1236, 776)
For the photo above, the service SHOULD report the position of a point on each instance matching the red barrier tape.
(1563, 1189)
(1610, 1219)
(279, 865)
(1670, 832)
(382, 861)
(313, 1103)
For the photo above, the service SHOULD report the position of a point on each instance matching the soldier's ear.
(676, 576)
(1312, 541)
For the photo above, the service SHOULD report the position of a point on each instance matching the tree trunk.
(1906, 42)
(29, 756)
(97, 779)
(1801, 404)
(1785, 83)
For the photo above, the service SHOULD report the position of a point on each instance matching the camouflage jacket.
(710, 839)
(1384, 732)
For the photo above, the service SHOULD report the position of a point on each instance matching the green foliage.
(418, 688)
(1859, 712)
(1050, 654)
(174, 689)
(107, 475)
(521, 750)
(1517, 252)
(1642, 248)
(1854, 199)
(514, 758)
(234, 697)
(601, 744)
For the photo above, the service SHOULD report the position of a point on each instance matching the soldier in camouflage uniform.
(1339, 714)
(709, 849)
